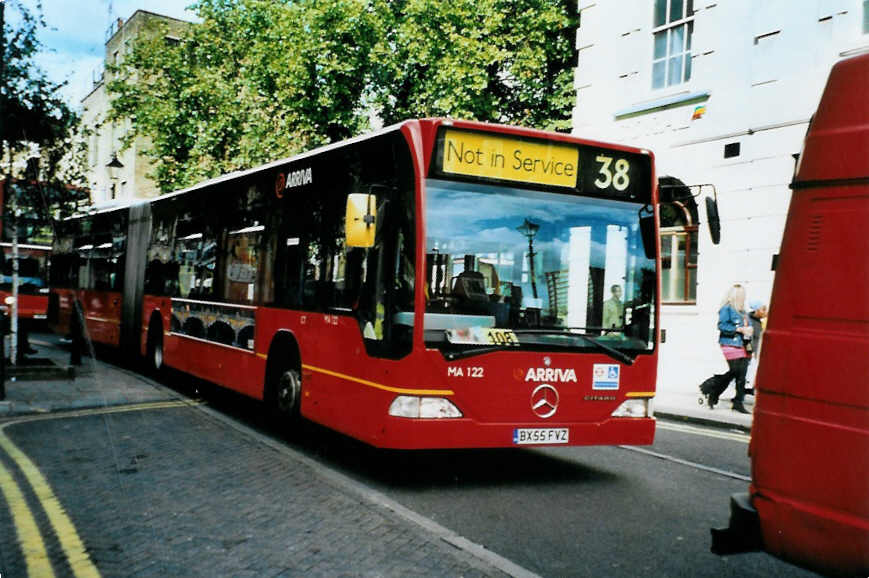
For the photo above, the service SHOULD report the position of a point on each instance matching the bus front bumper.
(399, 433)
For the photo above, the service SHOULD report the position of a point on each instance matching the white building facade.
(722, 92)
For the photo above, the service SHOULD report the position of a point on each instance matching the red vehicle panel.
(29, 306)
(809, 500)
(32, 279)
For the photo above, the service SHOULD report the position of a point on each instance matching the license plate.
(529, 436)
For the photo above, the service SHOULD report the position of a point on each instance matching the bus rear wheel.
(288, 393)
(157, 356)
(155, 349)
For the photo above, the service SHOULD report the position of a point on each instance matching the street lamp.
(113, 166)
(529, 229)
(115, 163)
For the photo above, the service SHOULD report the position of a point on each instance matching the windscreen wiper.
(616, 354)
(461, 354)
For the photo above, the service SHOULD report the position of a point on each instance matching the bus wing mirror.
(713, 219)
(360, 220)
(647, 231)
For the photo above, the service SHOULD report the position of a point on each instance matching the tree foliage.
(253, 82)
(33, 112)
(508, 61)
(258, 80)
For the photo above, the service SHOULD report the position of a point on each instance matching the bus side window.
(161, 272)
(312, 275)
(372, 307)
(288, 269)
(242, 264)
(194, 253)
(242, 248)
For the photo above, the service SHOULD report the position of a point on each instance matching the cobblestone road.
(174, 491)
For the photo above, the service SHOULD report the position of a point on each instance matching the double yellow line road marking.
(29, 537)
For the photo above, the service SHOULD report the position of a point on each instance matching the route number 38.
(618, 179)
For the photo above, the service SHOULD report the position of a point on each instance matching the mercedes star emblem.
(544, 400)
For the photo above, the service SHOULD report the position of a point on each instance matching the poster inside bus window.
(550, 165)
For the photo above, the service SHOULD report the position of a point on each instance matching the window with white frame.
(673, 25)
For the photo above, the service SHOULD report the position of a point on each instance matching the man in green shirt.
(613, 310)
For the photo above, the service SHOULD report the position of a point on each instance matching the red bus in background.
(437, 284)
(33, 263)
(809, 498)
(34, 250)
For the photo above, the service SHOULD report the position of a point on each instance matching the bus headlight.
(423, 407)
(635, 408)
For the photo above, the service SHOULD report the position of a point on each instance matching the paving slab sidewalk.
(93, 384)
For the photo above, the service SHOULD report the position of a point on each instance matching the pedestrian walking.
(734, 338)
(757, 312)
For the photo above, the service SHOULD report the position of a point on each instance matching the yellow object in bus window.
(360, 220)
(379, 316)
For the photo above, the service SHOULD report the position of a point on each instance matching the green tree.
(508, 61)
(259, 80)
(254, 81)
(32, 109)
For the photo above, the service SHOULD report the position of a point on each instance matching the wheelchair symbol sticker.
(605, 376)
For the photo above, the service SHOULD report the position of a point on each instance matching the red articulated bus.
(809, 498)
(437, 284)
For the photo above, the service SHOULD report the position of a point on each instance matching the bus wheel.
(288, 393)
(155, 348)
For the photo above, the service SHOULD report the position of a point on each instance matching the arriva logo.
(541, 374)
(299, 178)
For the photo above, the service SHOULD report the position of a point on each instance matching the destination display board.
(581, 169)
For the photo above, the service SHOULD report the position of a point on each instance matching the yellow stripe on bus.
(377, 385)
(640, 394)
(29, 538)
(70, 542)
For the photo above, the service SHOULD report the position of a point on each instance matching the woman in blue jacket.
(734, 330)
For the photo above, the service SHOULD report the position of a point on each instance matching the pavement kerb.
(698, 420)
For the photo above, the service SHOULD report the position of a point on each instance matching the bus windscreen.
(535, 268)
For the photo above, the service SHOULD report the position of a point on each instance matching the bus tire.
(288, 393)
(283, 387)
(155, 345)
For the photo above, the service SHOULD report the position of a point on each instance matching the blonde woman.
(734, 330)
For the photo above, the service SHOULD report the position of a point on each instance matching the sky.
(76, 35)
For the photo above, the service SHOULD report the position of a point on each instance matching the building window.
(679, 217)
(672, 29)
(679, 265)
